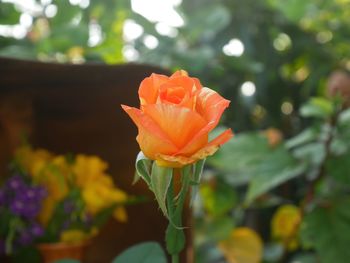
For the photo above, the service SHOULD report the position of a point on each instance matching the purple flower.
(17, 207)
(22, 207)
(32, 194)
(27, 202)
(24, 202)
(36, 230)
(15, 183)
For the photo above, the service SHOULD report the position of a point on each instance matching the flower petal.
(178, 123)
(151, 138)
(179, 73)
(214, 145)
(149, 88)
(180, 160)
(210, 105)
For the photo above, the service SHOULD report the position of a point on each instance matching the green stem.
(175, 237)
(175, 258)
(11, 235)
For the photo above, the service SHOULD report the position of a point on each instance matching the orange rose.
(175, 118)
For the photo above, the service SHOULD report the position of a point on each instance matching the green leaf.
(305, 136)
(66, 13)
(278, 168)
(305, 258)
(219, 198)
(8, 14)
(317, 108)
(217, 228)
(160, 181)
(239, 159)
(143, 168)
(327, 230)
(344, 117)
(294, 10)
(339, 168)
(147, 252)
(312, 153)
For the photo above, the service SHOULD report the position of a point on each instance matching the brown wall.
(70, 108)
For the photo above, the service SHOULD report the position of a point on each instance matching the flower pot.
(50, 252)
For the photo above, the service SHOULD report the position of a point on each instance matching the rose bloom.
(175, 117)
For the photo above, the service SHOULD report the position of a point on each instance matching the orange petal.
(149, 88)
(188, 84)
(210, 105)
(209, 149)
(178, 123)
(214, 145)
(183, 73)
(151, 138)
(180, 73)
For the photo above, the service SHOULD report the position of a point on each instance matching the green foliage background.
(290, 47)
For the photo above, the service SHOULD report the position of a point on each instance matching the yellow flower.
(102, 194)
(55, 178)
(47, 210)
(285, 224)
(31, 160)
(243, 246)
(87, 169)
(120, 214)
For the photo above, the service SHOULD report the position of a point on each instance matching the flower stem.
(175, 236)
(175, 258)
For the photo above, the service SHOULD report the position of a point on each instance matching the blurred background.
(268, 57)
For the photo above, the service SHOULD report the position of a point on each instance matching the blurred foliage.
(300, 185)
(289, 47)
(60, 31)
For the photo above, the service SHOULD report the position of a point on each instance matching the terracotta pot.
(50, 252)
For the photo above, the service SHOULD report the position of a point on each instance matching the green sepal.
(160, 182)
(196, 178)
(143, 167)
